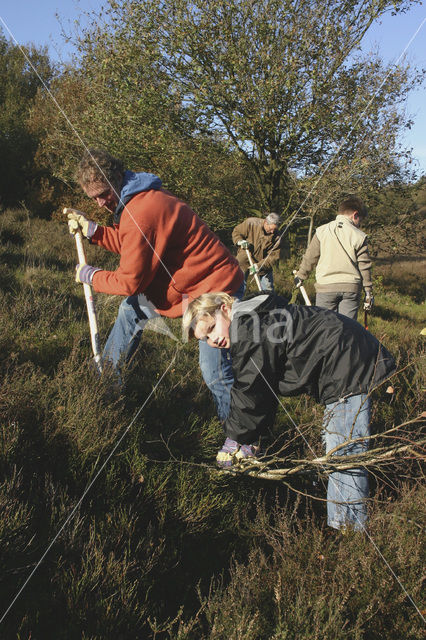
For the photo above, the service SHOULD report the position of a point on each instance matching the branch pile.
(399, 446)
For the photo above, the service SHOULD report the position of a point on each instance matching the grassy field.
(115, 522)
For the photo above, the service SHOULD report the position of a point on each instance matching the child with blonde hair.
(281, 349)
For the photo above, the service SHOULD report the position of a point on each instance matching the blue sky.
(36, 21)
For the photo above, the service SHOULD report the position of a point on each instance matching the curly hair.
(98, 166)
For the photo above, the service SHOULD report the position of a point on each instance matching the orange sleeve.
(108, 238)
(140, 256)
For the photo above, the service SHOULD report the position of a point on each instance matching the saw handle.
(251, 263)
(303, 292)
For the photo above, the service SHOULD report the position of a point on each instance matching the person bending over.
(168, 256)
(283, 349)
(261, 238)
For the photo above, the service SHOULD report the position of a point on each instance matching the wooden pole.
(304, 294)
(251, 263)
(90, 303)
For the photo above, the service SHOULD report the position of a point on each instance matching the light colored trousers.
(345, 303)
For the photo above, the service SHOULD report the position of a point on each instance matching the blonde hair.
(205, 305)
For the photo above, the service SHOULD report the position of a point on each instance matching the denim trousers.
(347, 493)
(133, 315)
(345, 303)
(266, 281)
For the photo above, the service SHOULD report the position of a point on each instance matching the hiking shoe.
(232, 452)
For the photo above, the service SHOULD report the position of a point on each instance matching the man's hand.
(297, 282)
(253, 269)
(243, 244)
(369, 301)
(78, 222)
(232, 452)
(84, 273)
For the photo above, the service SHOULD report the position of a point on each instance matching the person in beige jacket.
(260, 236)
(339, 251)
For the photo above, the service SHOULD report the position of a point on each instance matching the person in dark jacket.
(283, 349)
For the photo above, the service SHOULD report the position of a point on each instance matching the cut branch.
(325, 465)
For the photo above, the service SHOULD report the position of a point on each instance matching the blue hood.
(134, 183)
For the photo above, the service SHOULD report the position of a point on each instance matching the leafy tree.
(240, 106)
(282, 81)
(20, 73)
(114, 96)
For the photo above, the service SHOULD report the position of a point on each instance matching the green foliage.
(116, 98)
(236, 106)
(279, 81)
(22, 71)
(144, 537)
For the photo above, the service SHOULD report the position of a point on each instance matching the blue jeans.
(347, 493)
(123, 340)
(216, 369)
(133, 315)
(266, 281)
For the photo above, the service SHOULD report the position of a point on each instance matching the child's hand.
(232, 452)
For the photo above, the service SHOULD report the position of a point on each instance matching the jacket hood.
(257, 302)
(134, 183)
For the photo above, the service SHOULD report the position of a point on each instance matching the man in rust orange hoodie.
(168, 257)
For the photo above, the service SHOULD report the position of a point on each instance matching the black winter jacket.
(283, 349)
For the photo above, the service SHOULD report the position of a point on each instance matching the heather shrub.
(116, 523)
